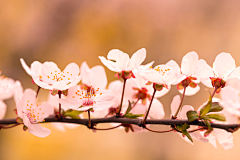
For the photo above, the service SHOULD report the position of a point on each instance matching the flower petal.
(223, 65)
(25, 67)
(70, 72)
(38, 130)
(3, 109)
(137, 58)
(203, 70)
(109, 64)
(156, 110)
(175, 104)
(189, 63)
(190, 91)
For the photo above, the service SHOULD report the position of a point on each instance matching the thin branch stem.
(215, 89)
(138, 122)
(60, 108)
(104, 129)
(180, 105)
(120, 107)
(150, 104)
(135, 103)
(158, 131)
(194, 130)
(89, 119)
(38, 90)
(6, 127)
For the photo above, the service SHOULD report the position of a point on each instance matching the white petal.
(49, 72)
(175, 104)
(224, 138)
(70, 72)
(18, 91)
(109, 64)
(233, 82)
(189, 63)
(3, 109)
(25, 67)
(223, 65)
(183, 112)
(156, 110)
(235, 73)
(122, 59)
(36, 69)
(39, 131)
(98, 77)
(137, 58)
(203, 70)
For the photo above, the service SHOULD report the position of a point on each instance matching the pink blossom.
(32, 113)
(119, 61)
(49, 76)
(186, 76)
(223, 68)
(82, 100)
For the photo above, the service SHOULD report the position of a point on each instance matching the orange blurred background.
(75, 31)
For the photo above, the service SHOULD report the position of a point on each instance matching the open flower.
(186, 76)
(119, 61)
(32, 113)
(49, 76)
(162, 76)
(83, 100)
(223, 68)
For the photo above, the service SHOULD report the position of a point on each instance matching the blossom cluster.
(77, 90)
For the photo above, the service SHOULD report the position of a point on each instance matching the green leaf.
(207, 107)
(182, 127)
(133, 116)
(129, 107)
(207, 123)
(74, 114)
(185, 132)
(192, 116)
(215, 107)
(219, 117)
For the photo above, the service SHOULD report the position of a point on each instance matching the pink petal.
(157, 110)
(110, 65)
(102, 105)
(189, 63)
(233, 82)
(28, 98)
(122, 59)
(43, 111)
(98, 77)
(70, 72)
(49, 72)
(224, 138)
(223, 65)
(175, 104)
(25, 67)
(137, 58)
(42, 84)
(203, 70)
(104, 97)
(3, 109)
(18, 91)
(207, 82)
(36, 69)
(38, 130)
(235, 73)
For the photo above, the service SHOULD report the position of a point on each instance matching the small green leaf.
(192, 116)
(133, 116)
(129, 107)
(207, 107)
(182, 127)
(215, 107)
(185, 132)
(74, 114)
(207, 123)
(219, 117)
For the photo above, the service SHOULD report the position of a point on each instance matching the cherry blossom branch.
(114, 119)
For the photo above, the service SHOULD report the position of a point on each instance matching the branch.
(228, 127)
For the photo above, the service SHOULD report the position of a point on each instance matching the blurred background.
(75, 31)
